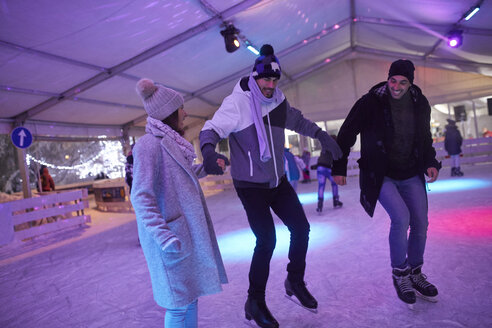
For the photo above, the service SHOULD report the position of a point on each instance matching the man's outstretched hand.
(213, 162)
(329, 144)
(340, 180)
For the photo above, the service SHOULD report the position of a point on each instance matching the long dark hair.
(42, 169)
(172, 121)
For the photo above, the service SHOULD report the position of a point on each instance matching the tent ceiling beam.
(341, 55)
(420, 26)
(187, 95)
(352, 23)
(51, 56)
(392, 55)
(28, 91)
(133, 61)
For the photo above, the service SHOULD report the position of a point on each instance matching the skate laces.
(421, 280)
(404, 283)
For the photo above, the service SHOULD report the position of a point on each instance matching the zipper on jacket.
(273, 149)
(250, 164)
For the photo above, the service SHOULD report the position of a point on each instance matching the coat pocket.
(179, 227)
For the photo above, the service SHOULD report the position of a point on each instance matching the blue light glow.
(473, 12)
(312, 197)
(238, 246)
(457, 185)
(253, 50)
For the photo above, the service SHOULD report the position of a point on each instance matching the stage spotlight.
(230, 38)
(455, 38)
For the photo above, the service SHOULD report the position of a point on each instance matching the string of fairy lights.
(112, 163)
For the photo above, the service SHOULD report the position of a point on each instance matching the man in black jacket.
(393, 119)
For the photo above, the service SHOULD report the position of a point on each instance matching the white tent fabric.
(70, 67)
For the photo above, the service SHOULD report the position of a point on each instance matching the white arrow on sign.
(22, 135)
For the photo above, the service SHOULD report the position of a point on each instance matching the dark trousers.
(284, 202)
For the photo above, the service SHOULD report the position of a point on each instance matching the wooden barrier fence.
(30, 217)
(474, 151)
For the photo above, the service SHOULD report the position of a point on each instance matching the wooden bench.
(212, 184)
(30, 217)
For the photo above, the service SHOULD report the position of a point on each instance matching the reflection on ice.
(238, 245)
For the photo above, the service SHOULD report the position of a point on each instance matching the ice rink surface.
(96, 276)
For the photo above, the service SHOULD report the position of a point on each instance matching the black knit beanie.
(267, 65)
(402, 67)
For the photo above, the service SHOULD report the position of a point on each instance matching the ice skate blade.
(427, 298)
(411, 306)
(251, 323)
(296, 301)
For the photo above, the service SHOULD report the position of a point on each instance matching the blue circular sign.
(21, 137)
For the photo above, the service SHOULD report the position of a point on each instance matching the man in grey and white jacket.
(254, 118)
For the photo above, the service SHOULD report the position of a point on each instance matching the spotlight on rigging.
(455, 38)
(230, 38)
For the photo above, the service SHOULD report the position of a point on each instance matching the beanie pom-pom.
(266, 50)
(146, 88)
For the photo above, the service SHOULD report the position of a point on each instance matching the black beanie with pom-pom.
(267, 65)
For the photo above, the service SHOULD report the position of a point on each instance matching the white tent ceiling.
(70, 67)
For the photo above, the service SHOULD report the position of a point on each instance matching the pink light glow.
(336, 26)
(469, 222)
(327, 60)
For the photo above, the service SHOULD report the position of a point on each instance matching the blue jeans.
(456, 160)
(182, 317)
(323, 173)
(405, 201)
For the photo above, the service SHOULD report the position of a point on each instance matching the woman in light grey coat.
(174, 225)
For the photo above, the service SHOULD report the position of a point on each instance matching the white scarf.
(257, 98)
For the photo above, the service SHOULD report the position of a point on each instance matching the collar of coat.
(381, 90)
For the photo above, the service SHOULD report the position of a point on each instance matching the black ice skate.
(403, 286)
(302, 296)
(257, 310)
(319, 209)
(422, 287)
(337, 202)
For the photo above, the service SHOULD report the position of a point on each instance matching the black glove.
(329, 144)
(325, 159)
(210, 157)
